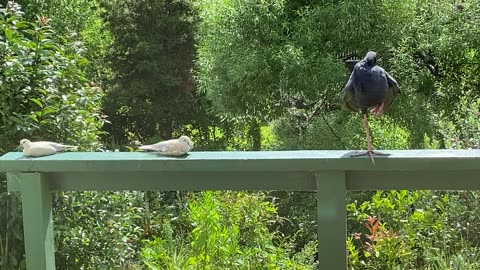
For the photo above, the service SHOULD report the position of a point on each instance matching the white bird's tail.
(70, 147)
(148, 148)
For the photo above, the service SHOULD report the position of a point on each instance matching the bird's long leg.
(369, 140)
(369, 151)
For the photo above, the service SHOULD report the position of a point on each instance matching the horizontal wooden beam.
(264, 161)
(289, 181)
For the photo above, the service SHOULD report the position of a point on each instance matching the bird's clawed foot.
(367, 153)
(377, 111)
(370, 154)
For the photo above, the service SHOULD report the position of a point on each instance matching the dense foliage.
(228, 231)
(238, 75)
(45, 95)
(151, 58)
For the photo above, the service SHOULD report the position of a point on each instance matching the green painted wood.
(242, 161)
(329, 173)
(237, 180)
(12, 182)
(37, 222)
(190, 181)
(170, 181)
(331, 218)
(414, 180)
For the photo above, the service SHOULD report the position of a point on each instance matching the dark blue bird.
(370, 87)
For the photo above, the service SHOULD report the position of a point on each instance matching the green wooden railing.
(330, 173)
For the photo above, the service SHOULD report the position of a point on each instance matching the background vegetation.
(239, 75)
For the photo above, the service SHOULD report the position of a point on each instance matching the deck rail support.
(328, 173)
(331, 219)
(37, 221)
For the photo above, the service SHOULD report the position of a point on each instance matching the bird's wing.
(393, 90)
(349, 95)
(179, 148)
(60, 147)
(161, 146)
(38, 149)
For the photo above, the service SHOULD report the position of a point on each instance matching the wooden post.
(37, 221)
(331, 218)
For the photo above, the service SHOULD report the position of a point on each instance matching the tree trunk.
(255, 135)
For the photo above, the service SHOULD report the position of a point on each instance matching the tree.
(45, 95)
(151, 58)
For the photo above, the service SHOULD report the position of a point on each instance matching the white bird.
(43, 148)
(173, 147)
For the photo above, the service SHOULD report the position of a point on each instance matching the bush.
(394, 230)
(45, 95)
(227, 230)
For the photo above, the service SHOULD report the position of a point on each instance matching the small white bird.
(173, 147)
(42, 148)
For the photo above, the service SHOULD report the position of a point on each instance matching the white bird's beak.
(18, 147)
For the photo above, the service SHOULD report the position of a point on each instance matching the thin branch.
(318, 111)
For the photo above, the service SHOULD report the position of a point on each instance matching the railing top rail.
(329, 173)
(266, 161)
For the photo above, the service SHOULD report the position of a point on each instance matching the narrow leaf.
(36, 101)
(8, 33)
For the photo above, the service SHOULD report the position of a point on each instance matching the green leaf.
(33, 117)
(46, 122)
(15, 119)
(8, 33)
(37, 101)
(20, 24)
(48, 110)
